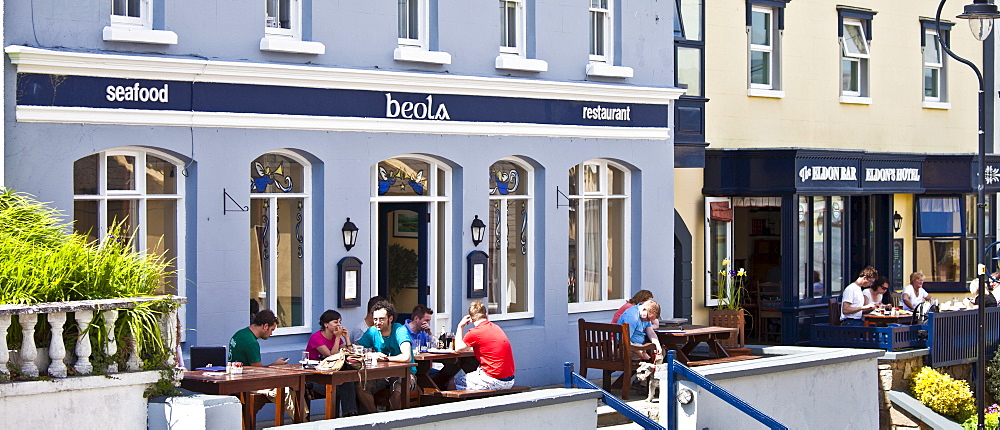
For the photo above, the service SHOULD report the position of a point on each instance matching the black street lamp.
(980, 14)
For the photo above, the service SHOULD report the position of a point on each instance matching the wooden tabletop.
(431, 356)
(694, 330)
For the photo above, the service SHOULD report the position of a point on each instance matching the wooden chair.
(606, 346)
(833, 307)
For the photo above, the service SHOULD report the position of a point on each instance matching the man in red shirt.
(490, 344)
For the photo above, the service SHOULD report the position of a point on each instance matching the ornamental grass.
(42, 260)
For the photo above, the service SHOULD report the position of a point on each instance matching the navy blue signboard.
(892, 176)
(827, 173)
(113, 93)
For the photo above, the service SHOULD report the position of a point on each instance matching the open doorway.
(402, 262)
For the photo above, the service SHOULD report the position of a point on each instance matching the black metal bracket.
(226, 198)
(560, 193)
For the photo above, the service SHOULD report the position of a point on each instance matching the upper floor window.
(412, 21)
(598, 233)
(689, 46)
(140, 192)
(855, 35)
(600, 30)
(132, 21)
(934, 67)
(510, 239)
(764, 35)
(280, 229)
(512, 27)
(283, 28)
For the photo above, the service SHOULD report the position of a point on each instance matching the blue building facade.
(242, 139)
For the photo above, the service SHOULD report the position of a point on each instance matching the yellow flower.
(725, 262)
(742, 272)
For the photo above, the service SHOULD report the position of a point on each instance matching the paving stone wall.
(895, 375)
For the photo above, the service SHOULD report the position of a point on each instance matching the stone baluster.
(28, 350)
(110, 316)
(168, 328)
(132, 362)
(57, 349)
(4, 355)
(83, 319)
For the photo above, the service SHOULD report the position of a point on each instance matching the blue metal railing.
(675, 367)
(575, 380)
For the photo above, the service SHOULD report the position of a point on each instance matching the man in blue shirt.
(391, 342)
(420, 326)
(638, 318)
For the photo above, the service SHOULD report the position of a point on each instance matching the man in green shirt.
(243, 346)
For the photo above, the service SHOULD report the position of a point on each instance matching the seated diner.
(492, 349)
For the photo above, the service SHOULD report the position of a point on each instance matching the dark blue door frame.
(385, 231)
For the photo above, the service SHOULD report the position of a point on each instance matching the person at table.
(991, 301)
(331, 337)
(642, 296)
(391, 342)
(365, 323)
(853, 303)
(914, 294)
(876, 292)
(244, 348)
(639, 319)
(419, 326)
(492, 348)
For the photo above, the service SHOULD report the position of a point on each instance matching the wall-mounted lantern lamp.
(478, 228)
(897, 221)
(350, 234)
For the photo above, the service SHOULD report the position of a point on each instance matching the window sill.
(856, 100)
(597, 306)
(139, 35)
(761, 92)
(609, 71)
(515, 62)
(937, 105)
(419, 55)
(294, 46)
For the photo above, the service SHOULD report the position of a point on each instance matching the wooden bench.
(435, 397)
(694, 363)
(606, 346)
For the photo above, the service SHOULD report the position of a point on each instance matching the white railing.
(83, 313)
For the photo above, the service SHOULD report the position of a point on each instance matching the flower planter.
(732, 318)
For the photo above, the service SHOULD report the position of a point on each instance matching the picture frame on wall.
(406, 224)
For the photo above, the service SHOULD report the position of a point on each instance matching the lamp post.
(980, 14)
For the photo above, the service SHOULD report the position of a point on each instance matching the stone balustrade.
(83, 312)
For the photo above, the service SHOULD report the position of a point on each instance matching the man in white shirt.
(852, 306)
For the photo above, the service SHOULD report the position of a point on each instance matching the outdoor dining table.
(687, 337)
(332, 378)
(874, 320)
(244, 384)
(452, 362)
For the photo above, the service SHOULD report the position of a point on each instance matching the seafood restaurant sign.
(161, 95)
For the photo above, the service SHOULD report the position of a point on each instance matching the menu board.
(897, 264)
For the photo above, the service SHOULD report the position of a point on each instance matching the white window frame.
(711, 269)
(143, 21)
(422, 23)
(771, 49)
(440, 174)
(607, 41)
(519, 30)
(294, 29)
(139, 193)
(528, 199)
(939, 66)
(604, 303)
(861, 58)
(307, 245)
(139, 29)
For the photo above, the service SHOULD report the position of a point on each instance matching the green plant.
(165, 386)
(731, 287)
(402, 268)
(972, 423)
(942, 393)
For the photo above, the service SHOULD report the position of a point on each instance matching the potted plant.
(729, 312)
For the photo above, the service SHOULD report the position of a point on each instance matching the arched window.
(279, 244)
(142, 191)
(510, 240)
(598, 238)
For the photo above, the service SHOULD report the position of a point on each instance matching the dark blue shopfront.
(805, 222)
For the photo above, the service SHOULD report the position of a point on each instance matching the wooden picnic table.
(687, 337)
(245, 384)
(453, 362)
(332, 378)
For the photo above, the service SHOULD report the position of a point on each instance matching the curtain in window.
(940, 216)
(592, 250)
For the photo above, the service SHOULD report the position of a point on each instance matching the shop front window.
(598, 240)
(947, 250)
(820, 246)
(510, 290)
